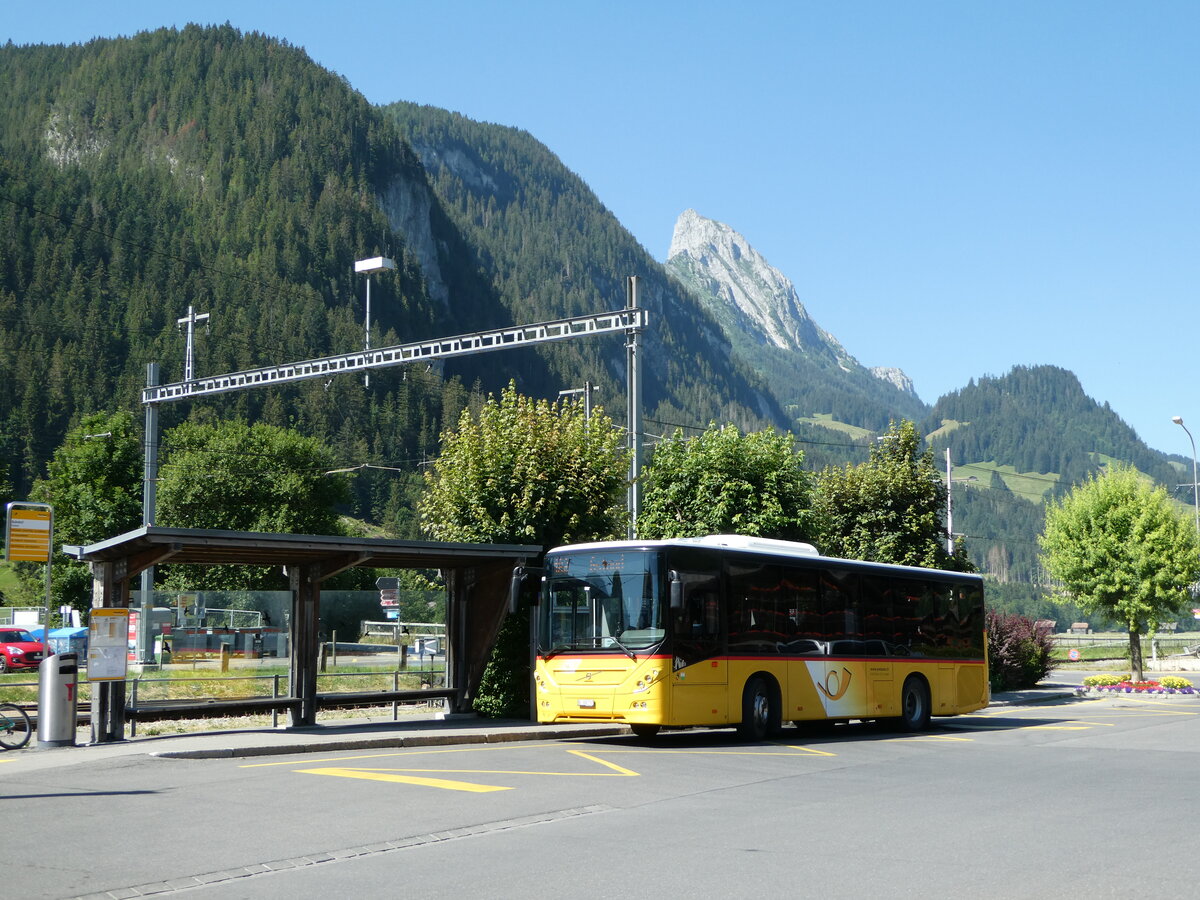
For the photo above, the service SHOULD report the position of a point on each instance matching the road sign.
(29, 534)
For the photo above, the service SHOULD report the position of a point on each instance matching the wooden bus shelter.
(477, 578)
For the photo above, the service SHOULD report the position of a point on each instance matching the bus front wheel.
(914, 705)
(760, 711)
(645, 732)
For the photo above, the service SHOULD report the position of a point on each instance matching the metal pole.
(149, 499)
(1178, 420)
(633, 415)
(46, 611)
(949, 505)
(367, 340)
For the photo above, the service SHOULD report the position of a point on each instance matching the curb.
(394, 742)
(1026, 698)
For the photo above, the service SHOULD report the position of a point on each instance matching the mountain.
(551, 249)
(227, 172)
(224, 171)
(813, 375)
(1018, 440)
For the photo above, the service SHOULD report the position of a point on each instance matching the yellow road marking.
(1068, 727)
(370, 775)
(398, 776)
(663, 751)
(937, 738)
(407, 752)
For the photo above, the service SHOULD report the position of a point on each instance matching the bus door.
(843, 684)
(699, 672)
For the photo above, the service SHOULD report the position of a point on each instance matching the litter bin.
(57, 700)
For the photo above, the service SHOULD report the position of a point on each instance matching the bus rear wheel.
(760, 711)
(914, 705)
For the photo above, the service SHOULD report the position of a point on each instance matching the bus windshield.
(604, 600)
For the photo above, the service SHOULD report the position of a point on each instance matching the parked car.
(18, 650)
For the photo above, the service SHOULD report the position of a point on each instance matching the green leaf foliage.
(1019, 651)
(236, 477)
(94, 484)
(524, 471)
(889, 509)
(727, 482)
(1118, 547)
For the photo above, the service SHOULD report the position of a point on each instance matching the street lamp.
(1178, 420)
(366, 267)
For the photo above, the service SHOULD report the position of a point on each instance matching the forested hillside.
(1017, 440)
(228, 172)
(1038, 419)
(201, 168)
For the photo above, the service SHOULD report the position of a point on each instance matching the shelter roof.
(209, 547)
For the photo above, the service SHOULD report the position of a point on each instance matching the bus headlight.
(643, 684)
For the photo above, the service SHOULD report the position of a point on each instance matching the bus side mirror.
(676, 590)
(520, 575)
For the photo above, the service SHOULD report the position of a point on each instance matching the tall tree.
(1119, 548)
(727, 482)
(94, 484)
(890, 508)
(524, 471)
(237, 477)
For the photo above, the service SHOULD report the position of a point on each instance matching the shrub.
(1174, 682)
(1105, 680)
(1018, 651)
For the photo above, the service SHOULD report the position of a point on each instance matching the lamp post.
(366, 267)
(1178, 420)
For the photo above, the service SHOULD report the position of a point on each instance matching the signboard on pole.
(28, 533)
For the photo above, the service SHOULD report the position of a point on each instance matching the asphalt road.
(1083, 796)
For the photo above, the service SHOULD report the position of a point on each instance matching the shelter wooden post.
(305, 648)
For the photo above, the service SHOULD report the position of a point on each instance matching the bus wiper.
(628, 652)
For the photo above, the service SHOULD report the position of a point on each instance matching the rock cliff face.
(754, 301)
(737, 273)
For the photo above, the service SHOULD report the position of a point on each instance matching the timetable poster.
(108, 643)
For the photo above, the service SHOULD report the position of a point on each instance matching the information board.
(28, 538)
(108, 643)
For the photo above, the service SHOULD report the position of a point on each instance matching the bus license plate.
(587, 704)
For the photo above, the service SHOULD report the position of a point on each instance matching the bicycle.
(15, 729)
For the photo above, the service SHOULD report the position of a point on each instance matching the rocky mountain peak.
(740, 274)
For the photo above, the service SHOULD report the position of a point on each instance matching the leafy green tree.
(1120, 549)
(237, 477)
(727, 482)
(524, 471)
(94, 483)
(888, 509)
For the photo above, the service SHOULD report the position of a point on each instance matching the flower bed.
(1168, 684)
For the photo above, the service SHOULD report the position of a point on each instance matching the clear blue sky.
(954, 188)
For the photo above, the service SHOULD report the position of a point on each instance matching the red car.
(18, 650)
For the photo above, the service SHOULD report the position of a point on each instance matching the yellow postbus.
(731, 630)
